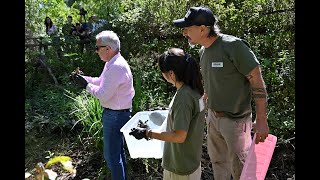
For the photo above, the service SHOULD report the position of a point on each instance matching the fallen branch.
(285, 141)
(41, 59)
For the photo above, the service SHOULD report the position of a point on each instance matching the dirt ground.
(89, 162)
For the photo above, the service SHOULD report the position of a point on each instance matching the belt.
(219, 113)
(119, 110)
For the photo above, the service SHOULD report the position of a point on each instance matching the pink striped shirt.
(114, 86)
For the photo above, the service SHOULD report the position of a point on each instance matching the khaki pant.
(196, 175)
(228, 144)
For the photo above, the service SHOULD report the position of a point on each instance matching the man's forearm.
(261, 106)
(259, 93)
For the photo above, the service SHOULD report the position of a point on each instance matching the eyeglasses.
(98, 47)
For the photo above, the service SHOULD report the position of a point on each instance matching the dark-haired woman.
(52, 31)
(185, 124)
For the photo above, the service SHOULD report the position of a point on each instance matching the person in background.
(115, 91)
(93, 25)
(53, 32)
(232, 77)
(67, 30)
(83, 34)
(97, 23)
(51, 28)
(185, 123)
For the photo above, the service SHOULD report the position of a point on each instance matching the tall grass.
(88, 111)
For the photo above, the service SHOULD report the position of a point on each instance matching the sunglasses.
(98, 47)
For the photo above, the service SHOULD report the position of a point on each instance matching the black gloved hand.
(74, 75)
(80, 81)
(143, 124)
(139, 133)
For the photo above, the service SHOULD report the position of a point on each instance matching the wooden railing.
(33, 42)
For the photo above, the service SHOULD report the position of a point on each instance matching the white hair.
(109, 38)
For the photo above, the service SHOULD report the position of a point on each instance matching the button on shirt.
(114, 87)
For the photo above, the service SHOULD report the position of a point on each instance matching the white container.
(143, 148)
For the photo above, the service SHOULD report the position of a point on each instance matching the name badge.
(217, 64)
(201, 104)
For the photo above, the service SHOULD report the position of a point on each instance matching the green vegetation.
(63, 111)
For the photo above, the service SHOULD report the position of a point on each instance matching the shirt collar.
(113, 59)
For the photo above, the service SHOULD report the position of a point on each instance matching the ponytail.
(193, 76)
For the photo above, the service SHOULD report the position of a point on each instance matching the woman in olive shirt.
(185, 124)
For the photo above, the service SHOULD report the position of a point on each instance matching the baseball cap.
(196, 16)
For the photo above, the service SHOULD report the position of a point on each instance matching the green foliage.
(151, 89)
(47, 110)
(280, 125)
(88, 110)
(69, 3)
(37, 10)
(144, 26)
(279, 75)
(145, 29)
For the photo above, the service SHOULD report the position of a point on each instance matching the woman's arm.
(176, 136)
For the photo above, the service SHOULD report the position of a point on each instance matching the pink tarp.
(258, 159)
